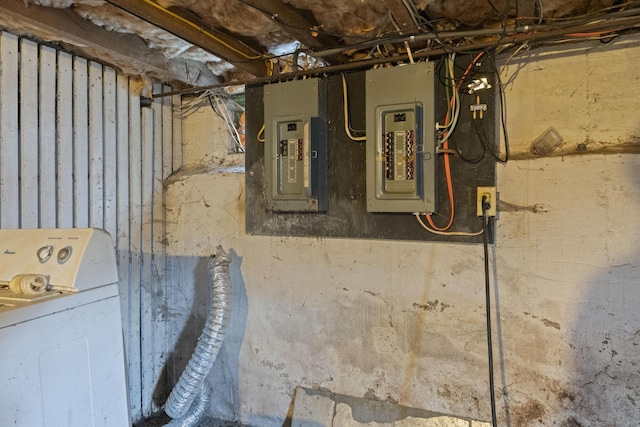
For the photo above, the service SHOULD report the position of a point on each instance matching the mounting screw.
(581, 147)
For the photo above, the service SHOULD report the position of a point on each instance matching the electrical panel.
(401, 139)
(295, 139)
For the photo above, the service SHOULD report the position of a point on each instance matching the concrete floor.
(163, 419)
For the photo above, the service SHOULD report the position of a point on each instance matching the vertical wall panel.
(148, 331)
(166, 120)
(176, 101)
(162, 163)
(47, 138)
(126, 286)
(134, 357)
(109, 127)
(9, 138)
(77, 150)
(96, 146)
(64, 155)
(80, 143)
(29, 134)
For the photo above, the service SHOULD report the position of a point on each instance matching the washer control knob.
(64, 254)
(44, 253)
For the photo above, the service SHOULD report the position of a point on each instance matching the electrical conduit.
(192, 379)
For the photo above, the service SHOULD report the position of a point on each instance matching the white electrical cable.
(406, 45)
(411, 9)
(227, 118)
(446, 233)
(456, 100)
(347, 126)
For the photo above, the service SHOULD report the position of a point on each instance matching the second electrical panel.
(401, 139)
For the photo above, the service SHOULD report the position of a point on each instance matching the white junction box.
(400, 105)
(61, 348)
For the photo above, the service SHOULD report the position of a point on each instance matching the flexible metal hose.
(195, 412)
(210, 341)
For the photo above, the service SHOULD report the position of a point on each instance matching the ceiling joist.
(213, 41)
(294, 23)
(126, 51)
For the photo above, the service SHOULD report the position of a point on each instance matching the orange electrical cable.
(447, 164)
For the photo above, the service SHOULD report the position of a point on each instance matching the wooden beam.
(402, 16)
(292, 22)
(218, 43)
(125, 51)
(249, 42)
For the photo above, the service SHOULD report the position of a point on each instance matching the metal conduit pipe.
(210, 341)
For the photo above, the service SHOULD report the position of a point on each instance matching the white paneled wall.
(78, 150)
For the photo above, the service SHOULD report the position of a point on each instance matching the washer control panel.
(71, 260)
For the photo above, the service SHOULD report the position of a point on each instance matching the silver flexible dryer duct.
(209, 343)
(195, 412)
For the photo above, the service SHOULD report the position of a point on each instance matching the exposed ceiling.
(203, 42)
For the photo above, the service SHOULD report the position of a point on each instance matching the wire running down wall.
(77, 149)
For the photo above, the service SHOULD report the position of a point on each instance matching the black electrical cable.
(485, 240)
(470, 160)
(503, 113)
(480, 133)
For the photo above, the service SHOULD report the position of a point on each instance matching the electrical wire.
(474, 39)
(445, 233)
(485, 241)
(260, 132)
(541, 12)
(347, 124)
(411, 9)
(455, 107)
(503, 114)
(397, 27)
(224, 114)
(471, 160)
(454, 103)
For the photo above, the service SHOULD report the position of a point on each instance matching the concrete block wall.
(403, 322)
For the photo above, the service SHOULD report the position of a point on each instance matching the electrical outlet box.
(490, 193)
(296, 146)
(401, 139)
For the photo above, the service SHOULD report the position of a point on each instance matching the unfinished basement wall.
(77, 149)
(404, 322)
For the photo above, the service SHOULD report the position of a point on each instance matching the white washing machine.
(61, 347)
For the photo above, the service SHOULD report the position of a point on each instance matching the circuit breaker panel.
(296, 146)
(401, 139)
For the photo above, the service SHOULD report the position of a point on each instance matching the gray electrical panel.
(295, 118)
(400, 104)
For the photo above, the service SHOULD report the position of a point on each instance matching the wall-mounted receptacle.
(400, 139)
(490, 194)
(296, 146)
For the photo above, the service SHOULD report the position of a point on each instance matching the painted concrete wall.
(404, 321)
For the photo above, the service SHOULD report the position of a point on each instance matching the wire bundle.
(218, 103)
(449, 126)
